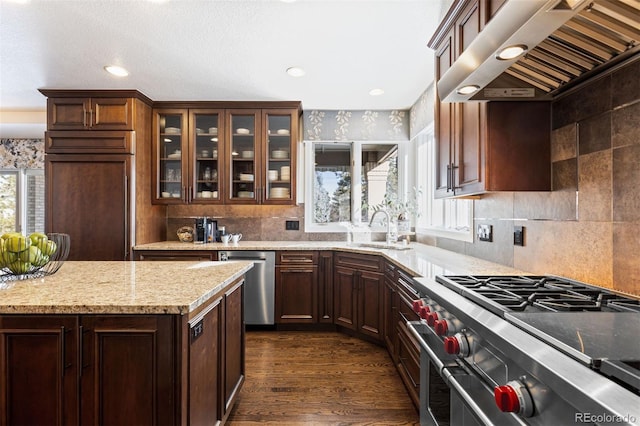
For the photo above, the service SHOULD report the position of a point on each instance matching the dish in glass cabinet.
(242, 131)
(282, 131)
(172, 130)
(213, 130)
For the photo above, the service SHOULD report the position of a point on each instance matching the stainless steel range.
(526, 350)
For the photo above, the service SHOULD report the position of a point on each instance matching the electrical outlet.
(485, 233)
(292, 225)
(518, 235)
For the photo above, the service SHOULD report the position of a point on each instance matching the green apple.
(8, 257)
(38, 238)
(49, 248)
(17, 243)
(42, 260)
(19, 267)
(30, 255)
(8, 235)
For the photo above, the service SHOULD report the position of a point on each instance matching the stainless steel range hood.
(567, 40)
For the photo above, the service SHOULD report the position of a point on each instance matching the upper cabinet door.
(90, 113)
(280, 132)
(206, 153)
(244, 150)
(170, 154)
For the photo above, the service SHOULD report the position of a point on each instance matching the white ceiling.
(219, 50)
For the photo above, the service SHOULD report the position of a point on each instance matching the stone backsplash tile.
(494, 205)
(594, 99)
(559, 205)
(578, 250)
(594, 183)
(626, 184)
(564, 143)
(624, 125)
(594, 133)
(626, 268)
(625, 84)
(565, 175)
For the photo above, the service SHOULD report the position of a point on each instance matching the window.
(449, 218)
(22, 200)
(347, 180)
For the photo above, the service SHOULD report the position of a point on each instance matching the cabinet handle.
(448, 177)
(453, 178)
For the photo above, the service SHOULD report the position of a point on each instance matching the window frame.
(356, 186)
(22, 186)
(452, 211)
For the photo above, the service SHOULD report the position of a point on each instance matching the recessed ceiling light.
(376, 92)
(511, 52)
(116, 70)
(295, 71)
(467, 90)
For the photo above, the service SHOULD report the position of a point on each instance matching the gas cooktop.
(511, 293)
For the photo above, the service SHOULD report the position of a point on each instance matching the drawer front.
(360, 262)
(77, 142)
(295, 257)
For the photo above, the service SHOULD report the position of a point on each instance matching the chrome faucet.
(390, 239)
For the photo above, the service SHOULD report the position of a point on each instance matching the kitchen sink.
(383, 245)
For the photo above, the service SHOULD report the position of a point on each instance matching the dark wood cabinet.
(296, 299)
(98, 180)
(124, 369)
(89, 113)
(187, 255)
(408, 348)
(38, 370)
(390, 311)
(125, 360)
(232, 153)
(485, 146)
(358, 287)
(89, 198)
(233, 337)
(325, 287)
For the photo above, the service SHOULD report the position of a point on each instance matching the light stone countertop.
(176, 287)
(421, 260)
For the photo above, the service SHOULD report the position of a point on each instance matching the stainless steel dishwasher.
(259, 288)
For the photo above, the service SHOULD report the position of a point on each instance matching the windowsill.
(466, 235)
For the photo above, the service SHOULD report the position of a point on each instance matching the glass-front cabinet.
(279, 156)
(171, 133)
(244, 152)
(207, 155)
(216, 154)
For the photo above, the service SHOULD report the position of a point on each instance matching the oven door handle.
(471, 403)
(437, 363)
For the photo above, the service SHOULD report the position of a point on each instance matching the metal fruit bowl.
(17, 262)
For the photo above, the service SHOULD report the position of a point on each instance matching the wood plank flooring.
(319, 378)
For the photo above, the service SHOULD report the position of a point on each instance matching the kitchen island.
(123, 343)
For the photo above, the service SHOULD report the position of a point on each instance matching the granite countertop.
(420, 260)
(121, 288)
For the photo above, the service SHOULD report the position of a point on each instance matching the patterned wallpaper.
(21, 153)
(422, 112)
(379, 125)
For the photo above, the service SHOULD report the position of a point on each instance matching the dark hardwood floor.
(321, 378)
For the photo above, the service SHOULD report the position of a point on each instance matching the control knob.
(431, 318)
(457, 345)
(514, 397)
(447, 327)
(417, 304)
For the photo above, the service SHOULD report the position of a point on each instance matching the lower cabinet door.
(296, 294)
(38, 370)
(370, 314)
(125, 360)
(234, 345)
(345, 297)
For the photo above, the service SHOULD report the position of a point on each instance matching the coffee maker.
(206, 230)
